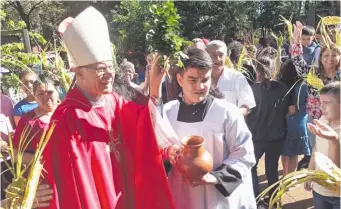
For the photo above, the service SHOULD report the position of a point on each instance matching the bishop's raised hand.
(156, 74)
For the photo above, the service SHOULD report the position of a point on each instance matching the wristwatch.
(156, 101)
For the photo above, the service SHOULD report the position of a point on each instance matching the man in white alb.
(230, 82)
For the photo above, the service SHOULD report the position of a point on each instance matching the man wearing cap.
(103, 152)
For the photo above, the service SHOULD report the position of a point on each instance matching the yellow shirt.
(322, 146)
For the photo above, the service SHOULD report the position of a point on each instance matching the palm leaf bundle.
(20, 194)
(228, 62)
(326, 35)
(329, 177)
(289, 27)
(336, 21)
(313, 80)
(55, 68)
(331, 20)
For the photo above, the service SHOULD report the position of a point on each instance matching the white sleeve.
(163, 130)
(239, 144)
(244, 93)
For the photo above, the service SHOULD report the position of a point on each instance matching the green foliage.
(2, 15)
(36, 37)
(163, 29)
(127, 25)
(13, 56)
(214, 19)
(16, 60)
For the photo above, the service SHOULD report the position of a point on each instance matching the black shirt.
(194, 113)
(267, 121)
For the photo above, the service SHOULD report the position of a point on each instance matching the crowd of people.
(115, 142)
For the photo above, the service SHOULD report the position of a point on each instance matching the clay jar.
(194, 160)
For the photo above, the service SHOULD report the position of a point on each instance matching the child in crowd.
(311, 50)
(267, 121)
(311, 53)
(327, 131)
(297, 141)
(27, 78)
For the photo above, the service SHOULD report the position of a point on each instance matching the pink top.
(6, 117)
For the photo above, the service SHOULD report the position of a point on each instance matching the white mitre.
(86, 38)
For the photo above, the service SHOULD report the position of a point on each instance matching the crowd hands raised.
(254, 101)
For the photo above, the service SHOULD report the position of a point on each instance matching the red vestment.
(30, 128)
(82, 171)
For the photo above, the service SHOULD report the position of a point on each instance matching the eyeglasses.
(102, 70)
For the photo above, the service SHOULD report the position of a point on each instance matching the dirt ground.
(297, 198)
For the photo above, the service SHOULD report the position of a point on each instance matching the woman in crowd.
(297, 142)
(328, 70)
(267, 121)
(33, 124)
(129, 71)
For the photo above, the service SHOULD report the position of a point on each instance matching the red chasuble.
(86, 173)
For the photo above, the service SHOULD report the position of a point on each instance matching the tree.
(39, 16)
(213, 20)
(25, 9)
(163, 30)
(127, 26)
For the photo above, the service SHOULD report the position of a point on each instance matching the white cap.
(86, 38)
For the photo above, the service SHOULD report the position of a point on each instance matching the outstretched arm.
(297, 51)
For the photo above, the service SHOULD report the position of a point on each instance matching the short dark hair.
(288, 74)
(197, 58)
(263, 42)
(43, 80)
(234, 50)
(308, 30)
(333, 89)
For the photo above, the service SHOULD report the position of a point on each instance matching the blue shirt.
(23, 107)
(140, 77)
(297, 123)
(311, 53)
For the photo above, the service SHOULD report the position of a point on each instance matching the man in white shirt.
(232, 83)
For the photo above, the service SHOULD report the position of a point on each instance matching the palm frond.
(313, 80)
(329, 177)
(288, 23)
(21, 192)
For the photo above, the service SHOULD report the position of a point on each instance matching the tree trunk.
(17, 5)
